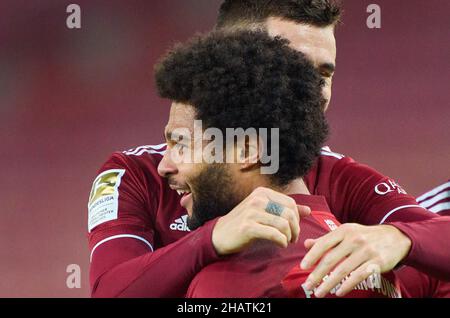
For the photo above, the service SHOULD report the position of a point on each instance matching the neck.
(298, 186)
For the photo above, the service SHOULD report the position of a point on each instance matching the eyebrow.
(329, 67)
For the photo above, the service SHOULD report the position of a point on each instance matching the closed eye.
(327, 70)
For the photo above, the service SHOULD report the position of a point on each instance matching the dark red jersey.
(138, 233)
(133, 214)
(418, 284)
(265, 270)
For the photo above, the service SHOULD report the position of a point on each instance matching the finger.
(359, 275)
(280, 198)
(291, 211)
(294, 222)
(340, 273)
(278, 222)
(309, 243)
(327, 263)
(287, 213)
(269, 233)
(260, 198)
(303, 210)
(321, 246)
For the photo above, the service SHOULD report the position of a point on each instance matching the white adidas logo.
(180, 224)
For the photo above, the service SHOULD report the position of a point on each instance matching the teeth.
(181, 192)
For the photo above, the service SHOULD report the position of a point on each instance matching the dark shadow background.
(69, 98)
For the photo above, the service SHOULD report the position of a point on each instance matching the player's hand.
(355, 250)
(249, 221)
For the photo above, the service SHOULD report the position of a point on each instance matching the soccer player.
(137, 228)
(229, 81)
(309, 26)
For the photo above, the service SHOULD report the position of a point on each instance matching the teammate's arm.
(373, 199)
(401, 231)
(417, 284)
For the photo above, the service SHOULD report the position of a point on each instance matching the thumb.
(303, 210)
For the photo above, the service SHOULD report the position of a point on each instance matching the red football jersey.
(133, 214)
(146, 206)
(415, 283)
(137, 229)
(265, 270)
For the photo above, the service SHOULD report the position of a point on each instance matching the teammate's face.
(208, 190)
(317, 43)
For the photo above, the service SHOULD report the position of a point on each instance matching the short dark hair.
(247, 79)
(320, 13)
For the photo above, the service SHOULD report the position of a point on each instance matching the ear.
(249, 153)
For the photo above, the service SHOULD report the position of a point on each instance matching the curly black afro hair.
(248, 79)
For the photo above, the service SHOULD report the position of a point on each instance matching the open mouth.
(182, 192)
(186, 198)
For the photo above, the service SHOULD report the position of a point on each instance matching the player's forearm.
(430, 250)
(167, 272)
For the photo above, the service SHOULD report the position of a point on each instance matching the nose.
(167, 167)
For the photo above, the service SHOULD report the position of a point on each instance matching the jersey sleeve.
(122, 207)
(430, 249)
(118, 205)
(164, 273)
(362, 195)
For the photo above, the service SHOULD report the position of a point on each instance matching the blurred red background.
(69, 98)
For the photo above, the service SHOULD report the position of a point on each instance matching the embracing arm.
(385, 227)
(430, 247)
(366, 197)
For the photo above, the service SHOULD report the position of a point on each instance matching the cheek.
(189, 171)
(186, 169)
(327, 94)
(327, 90)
